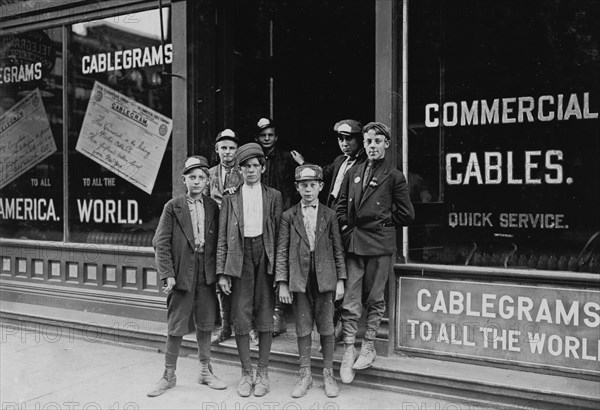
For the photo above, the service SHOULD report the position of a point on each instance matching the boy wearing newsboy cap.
(186, 246)
(373, 202)
(248, 230)
(310, 273)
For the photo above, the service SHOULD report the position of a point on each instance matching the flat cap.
(265, 123)
(195, 161)
(378, 127)
(247, 151)
(309, 172)
(227, 134)
(347, 127)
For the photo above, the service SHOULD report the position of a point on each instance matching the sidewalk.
(65, 371)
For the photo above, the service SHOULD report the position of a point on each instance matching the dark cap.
(347, 127)
(379, 128)
(196, 161)
(227, 134)
(265, 123)
(247, 151)
(309, 172)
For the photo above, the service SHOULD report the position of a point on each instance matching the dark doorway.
(314, 60)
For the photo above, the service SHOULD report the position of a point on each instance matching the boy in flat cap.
(310, 272)
(350, 141)
(224, 178)
(349, 137)
(186, 245)
(279, 174)
(248, 230)
(374, 200)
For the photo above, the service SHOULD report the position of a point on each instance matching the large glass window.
(119, 130)
(503, 133)
(31, 160)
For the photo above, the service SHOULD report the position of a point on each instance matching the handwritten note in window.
(25, 137)
(124, 136)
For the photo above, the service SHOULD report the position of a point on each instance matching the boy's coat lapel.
(298, 222)
(182, 213)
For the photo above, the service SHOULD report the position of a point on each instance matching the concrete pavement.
(62, 370)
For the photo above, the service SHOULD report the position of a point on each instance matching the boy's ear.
(387, 143)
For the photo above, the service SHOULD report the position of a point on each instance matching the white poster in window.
(124, 136)
(25, 137)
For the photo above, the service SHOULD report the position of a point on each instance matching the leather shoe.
(262, 386)
(168, 381)
(367, 355)
(208, 377)
(222, 334)
(246, 383)
(304, 383)
(331, 387)
(346, 370)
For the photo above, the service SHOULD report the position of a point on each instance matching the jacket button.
(235, 222)
(350, 200)
(378, 203)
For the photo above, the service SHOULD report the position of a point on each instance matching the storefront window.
(31, 109)
(503, 133)
(119, 130)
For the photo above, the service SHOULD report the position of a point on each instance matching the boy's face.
(375, 145)
(309, 190)
(251, 171)
(349, 144)
(226, 150)
(267, 138)
(195, 182)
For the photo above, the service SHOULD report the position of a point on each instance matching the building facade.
(494, 112)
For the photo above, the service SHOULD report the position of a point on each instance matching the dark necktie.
(227, 177)
(367, 177)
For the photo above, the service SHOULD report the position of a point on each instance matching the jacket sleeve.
(403, 212)
(282, 258)
(338, 249)
(222, 240)
(277, 210)
(162, 243)
(341, 208)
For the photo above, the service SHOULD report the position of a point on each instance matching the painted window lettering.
(489, 168)
(510, 110)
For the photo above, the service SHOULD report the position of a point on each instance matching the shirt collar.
(192, 200)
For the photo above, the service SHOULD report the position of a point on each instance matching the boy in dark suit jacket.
(374, 200)
(248, 229)
(310, 265)
(185, 245)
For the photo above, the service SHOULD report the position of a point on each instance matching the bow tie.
(309, 206)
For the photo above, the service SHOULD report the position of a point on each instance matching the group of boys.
(310, 256)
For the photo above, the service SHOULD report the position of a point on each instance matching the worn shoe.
(246, 383)
(207, 377)
(168, 381)
(261, 387)
(331, 387)
(222, 334)
(304, 383)
(346, 370)
(367, 355)
(254, 337)
(279, 325)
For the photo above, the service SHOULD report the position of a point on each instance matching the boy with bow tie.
(310, 272)
(374, 201)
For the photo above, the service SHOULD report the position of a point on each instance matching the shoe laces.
(369, 347)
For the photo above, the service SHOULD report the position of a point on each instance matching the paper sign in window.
(124, 136)
(25, 137)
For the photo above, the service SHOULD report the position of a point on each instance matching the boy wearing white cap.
(186, 245)
(310, 272)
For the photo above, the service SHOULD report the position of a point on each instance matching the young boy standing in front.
(185, 245)
(310, 272)
(248, 228)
